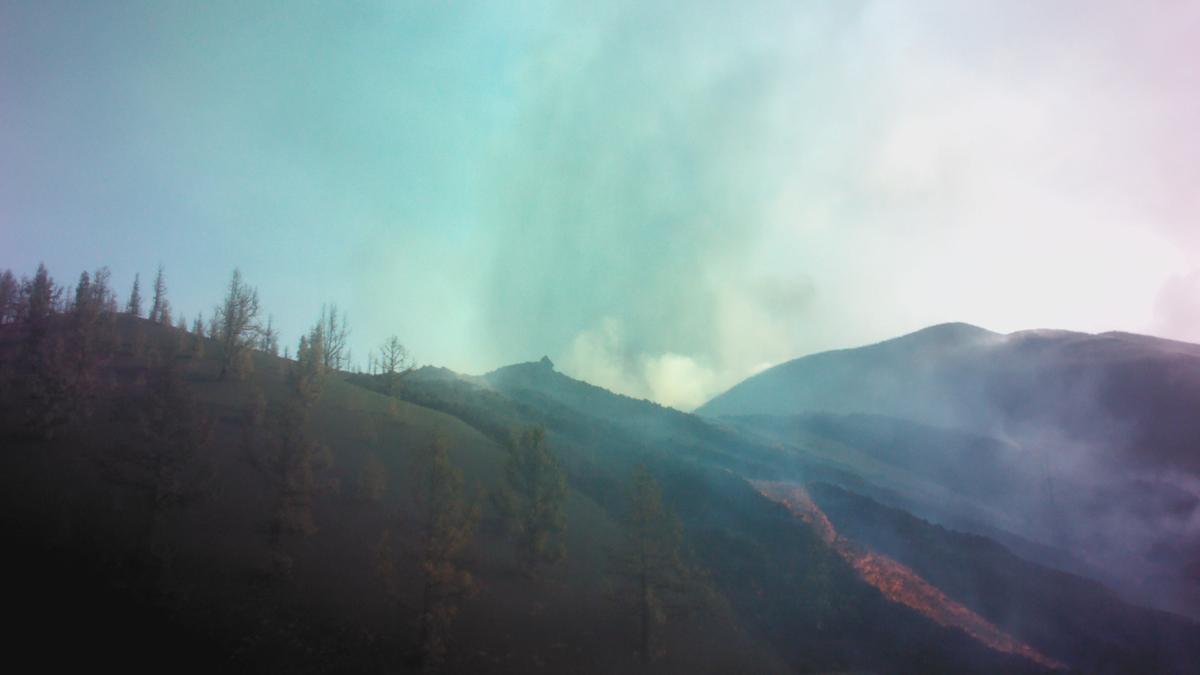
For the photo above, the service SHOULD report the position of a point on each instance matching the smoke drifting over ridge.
(689, 197)
(637, 186)
(663, 199)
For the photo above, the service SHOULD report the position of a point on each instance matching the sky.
(663, 197)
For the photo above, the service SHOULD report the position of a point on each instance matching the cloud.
(732, 184)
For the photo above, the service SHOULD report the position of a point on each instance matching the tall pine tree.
(533, 500)
(134, 306)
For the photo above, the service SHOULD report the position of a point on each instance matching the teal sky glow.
(662, 197)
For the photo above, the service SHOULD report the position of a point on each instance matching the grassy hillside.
(85, 578)
(210, 586)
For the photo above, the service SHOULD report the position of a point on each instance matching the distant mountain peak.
(541, 368)
(952, 331)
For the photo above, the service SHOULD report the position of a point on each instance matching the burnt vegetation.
(184, 498)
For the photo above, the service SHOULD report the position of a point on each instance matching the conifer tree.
(102, 292)
(41, 296)
(445, 521)
(167, 466)
(9, 293)
(134, 306)
(58, 380)
(650, 561)
(269, 340)
(183, 339)
(279, 444)
(307, 374)
(160, 311)
(85, 315)
(83, 292)
(198, 336)
(532, 501)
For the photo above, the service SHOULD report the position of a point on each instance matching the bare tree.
(334, 334)
(236, 320)
(394, 360)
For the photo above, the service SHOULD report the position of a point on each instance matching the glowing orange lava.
(898, 582)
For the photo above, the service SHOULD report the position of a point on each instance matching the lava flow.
(898, 582)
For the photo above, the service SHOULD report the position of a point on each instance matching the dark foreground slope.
(88, 587)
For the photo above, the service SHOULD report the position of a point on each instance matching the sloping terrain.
(1076, 619)
(868, 452)
(776, 596)
(78, 546)
(1082, 446)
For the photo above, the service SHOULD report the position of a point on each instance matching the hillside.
(211, 580)
(866, 457)
(1083, 445)
(81, 535)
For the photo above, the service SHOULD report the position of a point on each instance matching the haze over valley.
(619, 337)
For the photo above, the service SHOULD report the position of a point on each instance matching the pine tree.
(307, 374)
(445, 522)
(650, 561)
(9, 294)
(198, 337)
(167, 465)
(83, 292)
(533, 501)
(58, 374)
(41, 297)
(160, 311)
(85, 315)
(269, 340)
(134, 306)
(279, 445)
(183, 339)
